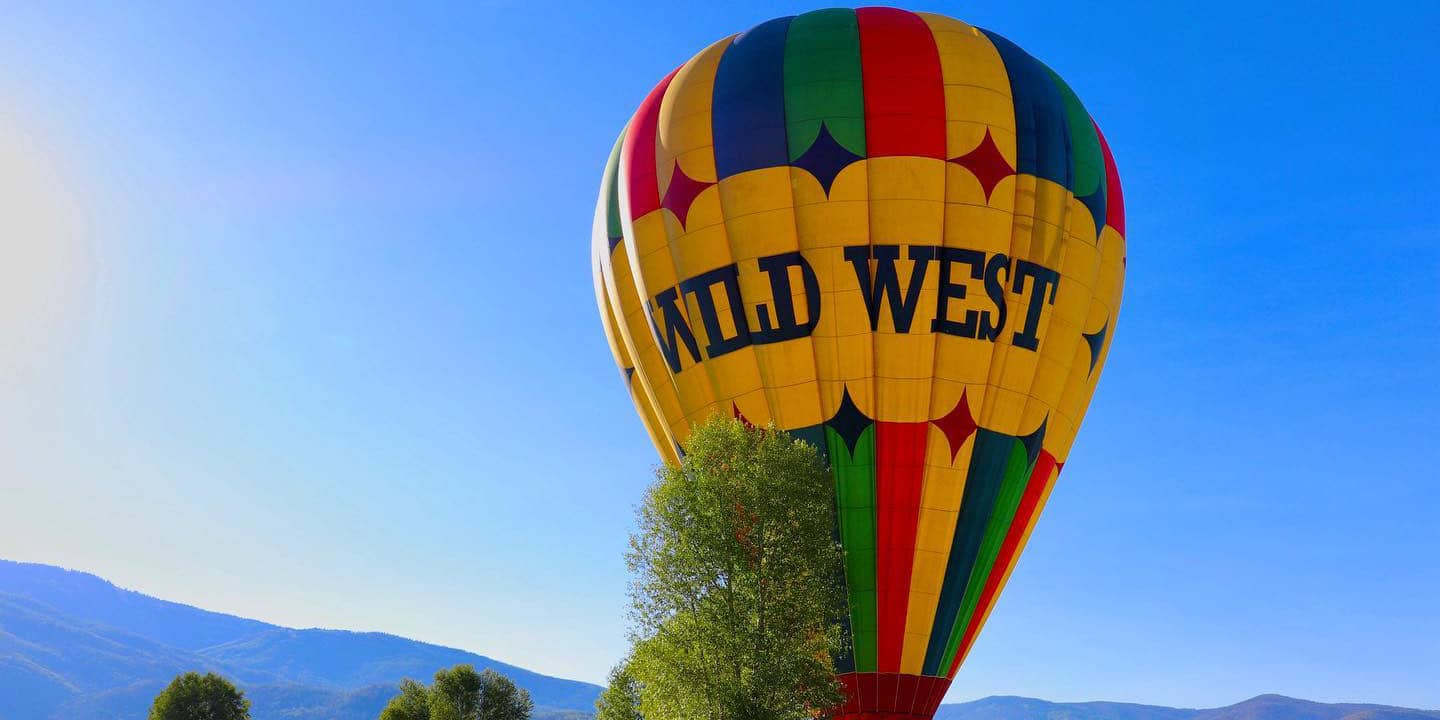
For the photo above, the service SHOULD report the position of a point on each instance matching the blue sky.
(296, 322)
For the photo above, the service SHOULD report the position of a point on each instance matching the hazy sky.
(296, 323)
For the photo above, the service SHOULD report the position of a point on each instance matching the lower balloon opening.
(890, 696)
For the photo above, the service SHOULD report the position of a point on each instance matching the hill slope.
(89, 598)
(1263, 707)
(74, 646)
(1006, 707)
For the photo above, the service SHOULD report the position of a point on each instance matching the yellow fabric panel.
(644, 406)
(635, 335)
(684, 127)
(1036, 235)
(1109, 277)
(942, 489)
(907, 206)
(659, 270)
(840, 345)
(760, 221)
(599, 246)
(1064, 359)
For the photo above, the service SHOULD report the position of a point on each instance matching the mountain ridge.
(1269, 706)
(74, 646)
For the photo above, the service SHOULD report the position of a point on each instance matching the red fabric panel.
(905, 693)
(889, 696)
(1114, 198)
(851, 682)
(887, 684)
(638, 153)
(904, 90)
(1034, 489)
(922, 694)
(899, 472)
(869, 693)
(937, 693)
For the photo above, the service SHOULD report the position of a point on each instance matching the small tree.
(501, 699)
(455, 694)
(413, 703)
(621, 698)
(193, 696)
(460, 693)
(737, 592)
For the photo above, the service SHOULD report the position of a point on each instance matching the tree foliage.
(460, 693)
(413, 703)
(500, 699)
(620, 700)
(455, 694)
(193, 696)
(736, 593)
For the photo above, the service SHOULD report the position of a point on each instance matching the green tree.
(455, 694)
(736, 593)
(460, 693)
(501, 699)
(620, 700)
(413, 703)
(193, 696)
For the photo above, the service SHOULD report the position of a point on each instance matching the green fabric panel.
(855, 497)
(1017, 475)
(1087, 164)
(612, 203)
(822, 81)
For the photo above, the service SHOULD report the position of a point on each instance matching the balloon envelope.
(901, 238)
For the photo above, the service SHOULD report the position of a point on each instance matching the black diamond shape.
(1033, 441)
(849, 423)
(1095, 203)
(1096, 340)
(825, 158)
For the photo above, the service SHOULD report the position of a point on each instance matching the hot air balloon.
(901, 238)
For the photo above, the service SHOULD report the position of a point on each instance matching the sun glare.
(45, 258)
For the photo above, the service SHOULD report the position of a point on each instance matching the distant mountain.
(1279, 707)
(1005, 707)
(1263, 707)
(89, 598)
(75, 647)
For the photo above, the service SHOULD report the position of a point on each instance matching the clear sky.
(296, 322)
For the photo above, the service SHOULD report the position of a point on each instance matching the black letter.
(729, 276)
(675, 325)
(942, 322)
(995, 288)
(1043, 277)
(778, 268)
(887, 282)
